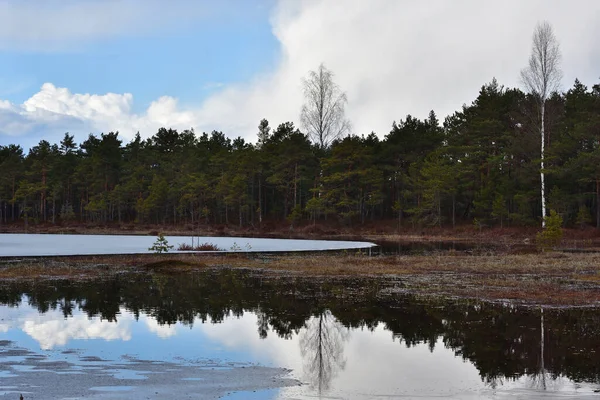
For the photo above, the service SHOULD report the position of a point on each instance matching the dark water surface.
(342, 338)
(403, 247)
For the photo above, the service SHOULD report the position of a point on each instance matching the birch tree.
(323, 115)
(541, 77)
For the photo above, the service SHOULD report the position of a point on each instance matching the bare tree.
(323, 114)
(541, 77)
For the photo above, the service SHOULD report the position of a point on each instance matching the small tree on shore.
(161, 245)
(552, 233)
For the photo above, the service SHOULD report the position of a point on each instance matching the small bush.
(552, 234)
(207, 247)
(185, 247)
(200, 247)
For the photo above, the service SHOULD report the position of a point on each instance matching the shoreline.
(548, 279)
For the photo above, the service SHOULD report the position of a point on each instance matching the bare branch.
(542, 75)
(323, 114)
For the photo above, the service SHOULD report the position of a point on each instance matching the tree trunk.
(542, 366)
(26, 214)
(252, 211)
(295, 184)
(542, 166)
(597, 203)
(439, 209)
(13, 203)
(260, 205)
(453, 210)
(43, 197)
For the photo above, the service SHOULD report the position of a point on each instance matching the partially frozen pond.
(241, 335)
(16, 245)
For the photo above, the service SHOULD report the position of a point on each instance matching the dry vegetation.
(542, 278)
(200, 247)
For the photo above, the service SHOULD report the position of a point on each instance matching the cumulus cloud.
(55, 110)
(398, 57)
(50, 331)
(392, 58)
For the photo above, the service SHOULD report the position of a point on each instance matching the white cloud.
(392, 57)
(50, 331)
(398, 57)
(52, 101)
(162, 331)
(55, 110)
(240, 334)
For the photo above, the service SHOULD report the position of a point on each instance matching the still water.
(18, 245)
(336, 338)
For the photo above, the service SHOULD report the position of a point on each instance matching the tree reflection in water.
(542, 379)
(322, 350)
(503, 341)
(538, 379)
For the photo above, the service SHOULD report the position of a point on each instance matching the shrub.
(552, 234)
(185, 247)
(207, 247)
(200, 247)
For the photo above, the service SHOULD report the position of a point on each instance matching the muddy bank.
(555, 279)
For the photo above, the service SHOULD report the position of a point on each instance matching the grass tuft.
(200, 247)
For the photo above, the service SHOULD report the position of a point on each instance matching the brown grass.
(548, 278)
(201, 247)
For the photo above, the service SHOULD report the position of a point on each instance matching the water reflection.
(322, 349)
(436, 246)
(550, 349)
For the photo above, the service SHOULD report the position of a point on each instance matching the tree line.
(480, 165)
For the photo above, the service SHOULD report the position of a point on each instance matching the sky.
(93, 66)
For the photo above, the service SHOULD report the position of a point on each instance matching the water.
(427, 247)
(231, 331)
(17, 245)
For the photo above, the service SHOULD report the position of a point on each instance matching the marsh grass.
(201, 247)
(170, 266)
(542, 278)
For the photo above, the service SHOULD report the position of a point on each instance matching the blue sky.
(93, 66)
(190, 60)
